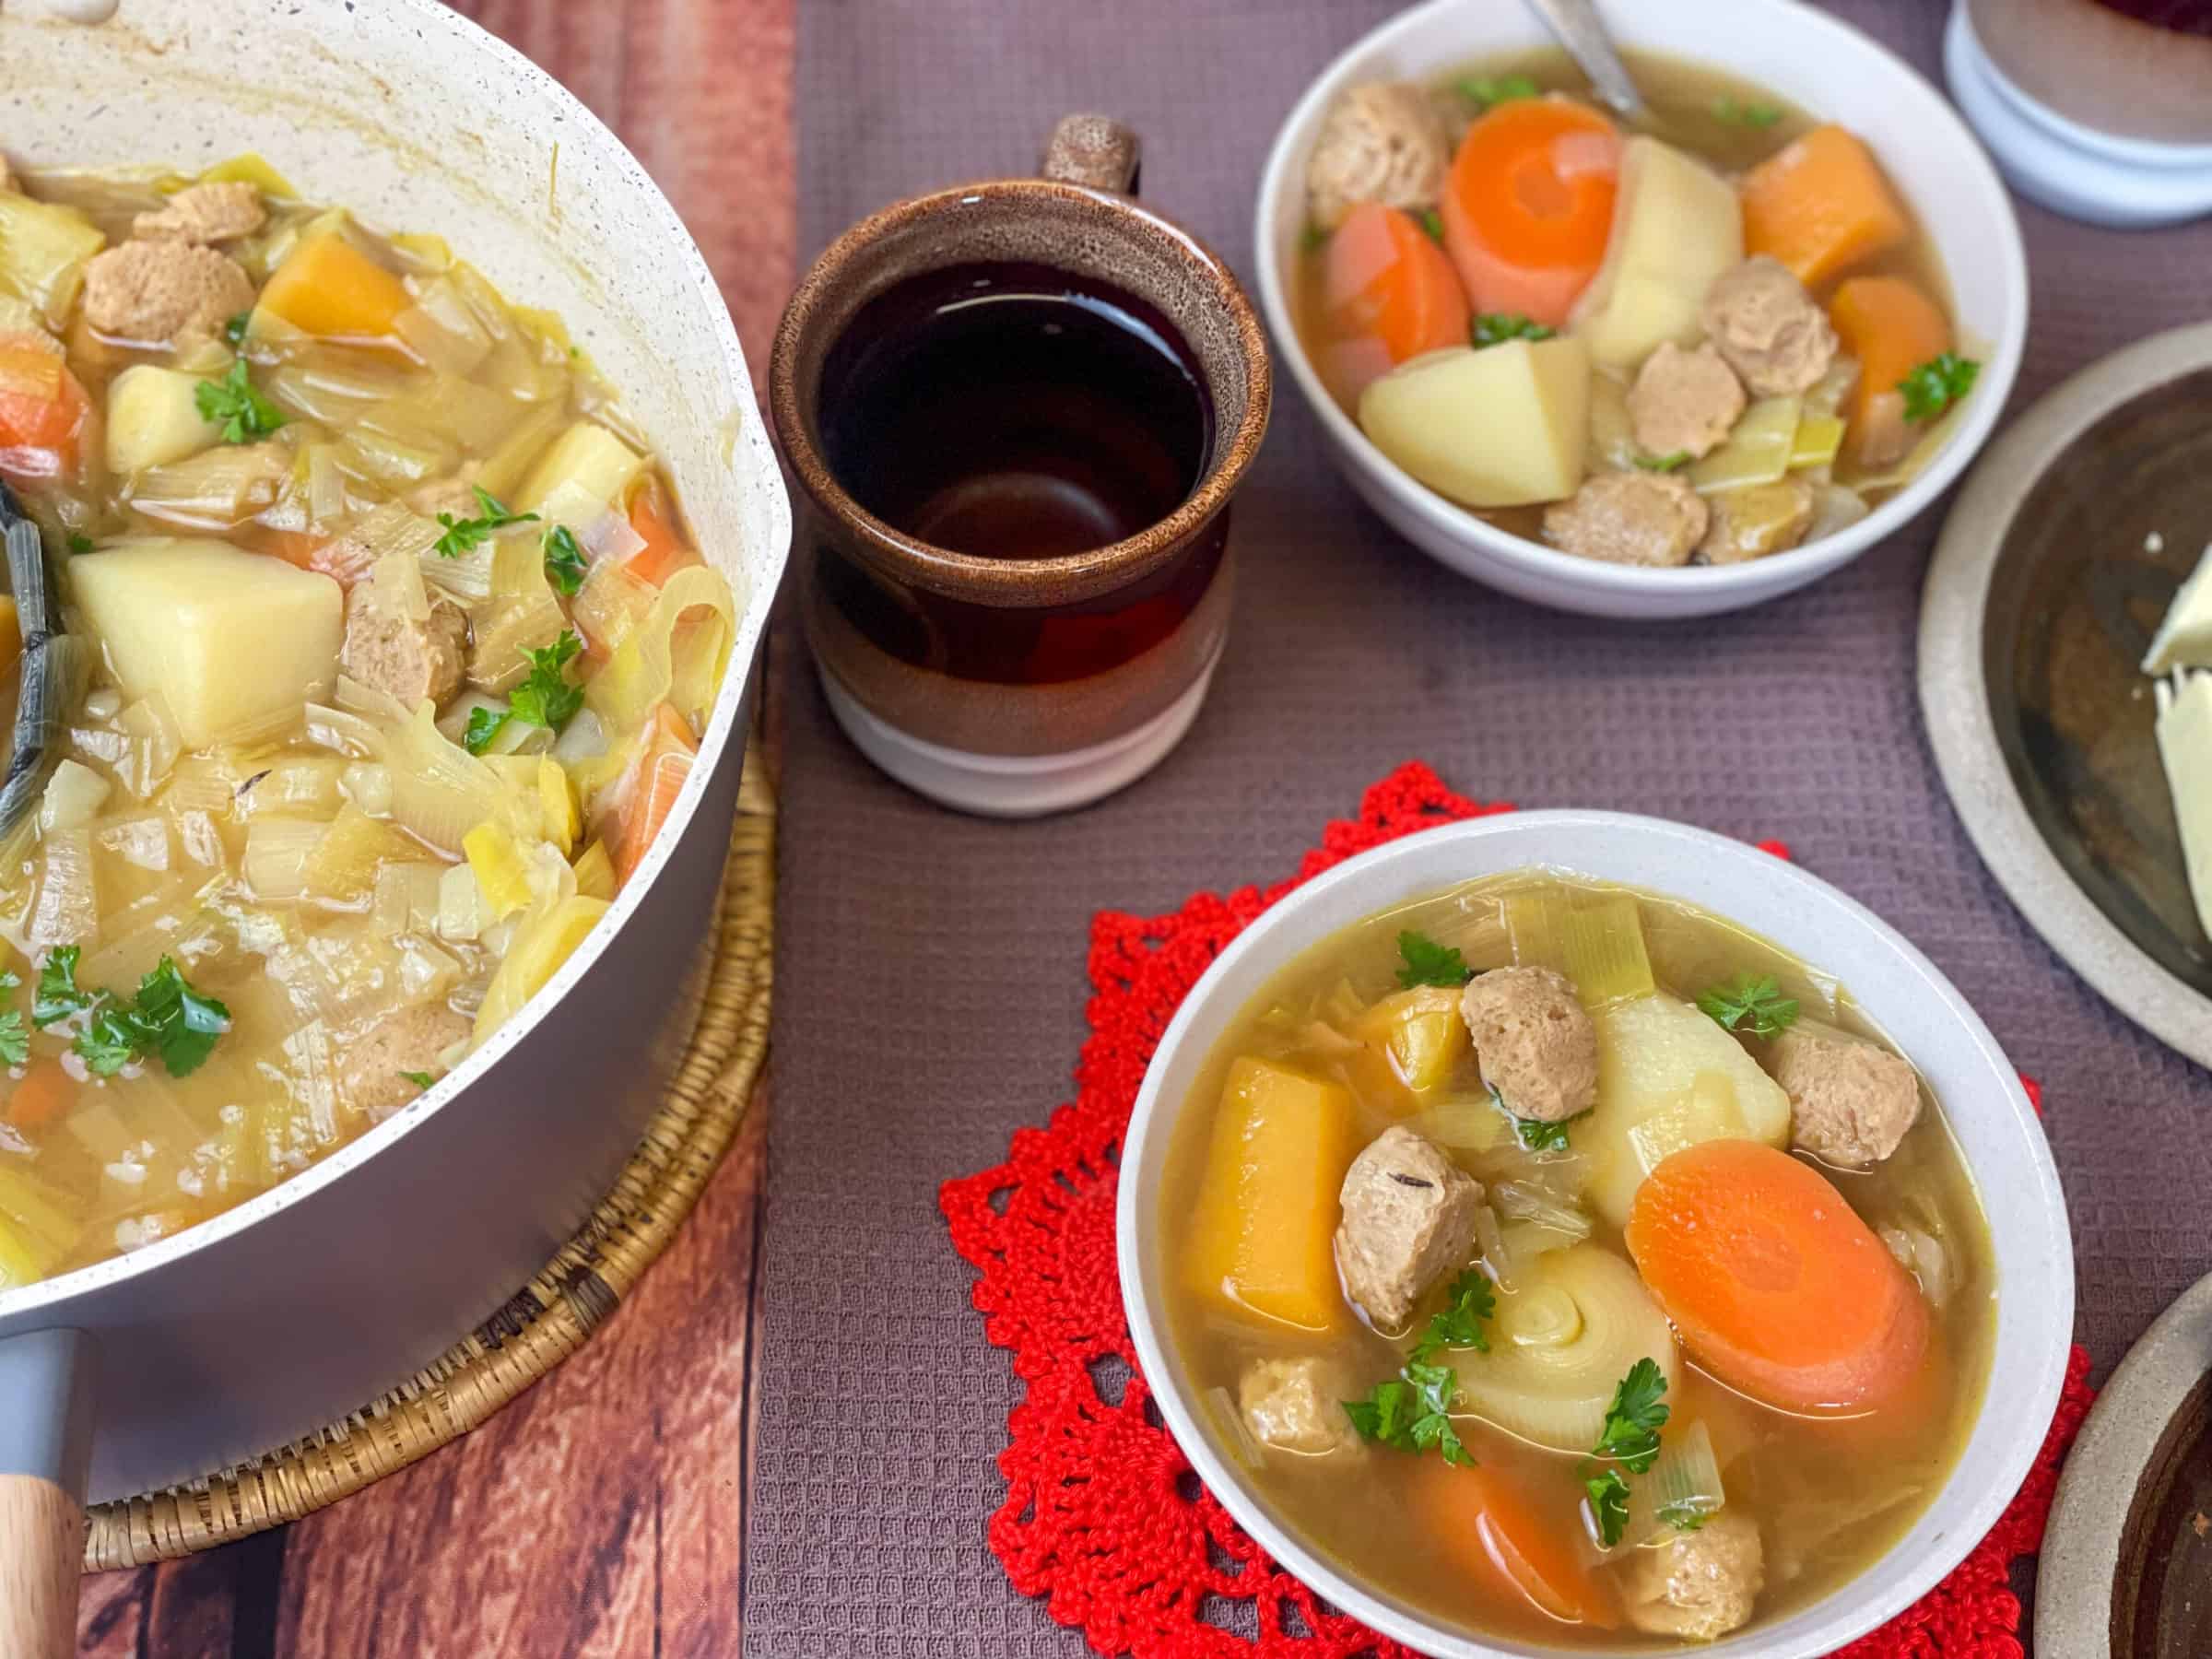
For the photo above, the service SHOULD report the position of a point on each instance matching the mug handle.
(1095, 151)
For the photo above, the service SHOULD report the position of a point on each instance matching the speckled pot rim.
(1016, 581)
(1954, 690)
(2076, 1582)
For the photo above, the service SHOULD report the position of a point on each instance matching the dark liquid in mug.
(2182, 16)
(1014, 411)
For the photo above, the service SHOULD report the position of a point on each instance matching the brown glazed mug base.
(926, 652)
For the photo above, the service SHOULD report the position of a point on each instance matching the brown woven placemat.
(553, 1315)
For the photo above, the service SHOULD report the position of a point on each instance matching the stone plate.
(2053, 571)
(2126, 1565)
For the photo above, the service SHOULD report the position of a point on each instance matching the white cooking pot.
(292, 1309)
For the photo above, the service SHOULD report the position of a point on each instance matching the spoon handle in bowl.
(1576, 24)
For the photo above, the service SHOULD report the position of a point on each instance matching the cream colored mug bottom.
(1018, 785)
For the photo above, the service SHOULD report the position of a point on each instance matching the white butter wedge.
(2185, 747)
(2184, 638)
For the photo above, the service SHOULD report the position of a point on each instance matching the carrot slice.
(1529, 205)
(1391, 291)
(1891, 327)
(328, 287)
(662, 770)
(1496, 1529)
(665, 551)
(43, 1098)
(1822, 205)
(1773, 1282)
(43, 409)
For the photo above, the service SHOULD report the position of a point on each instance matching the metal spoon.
(1576, 24)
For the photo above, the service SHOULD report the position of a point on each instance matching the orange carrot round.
(1504, 1539)
(1772, 1280)
(1388, 284)
(43, 411)
(1820, 206)
(1529, 205)
(41, 1098)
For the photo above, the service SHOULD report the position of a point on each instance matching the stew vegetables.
(379, 657)
(1709, 340)
(1577, 1267)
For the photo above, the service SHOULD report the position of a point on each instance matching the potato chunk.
(590, 456)
(1268, 1204)
(1668, 1077)
(1500, 426)
(154, 418)
(229, 639)
(1676, 228)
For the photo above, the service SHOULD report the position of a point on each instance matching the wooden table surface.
(602, 1514)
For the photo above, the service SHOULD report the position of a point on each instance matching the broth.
(1830, 1492)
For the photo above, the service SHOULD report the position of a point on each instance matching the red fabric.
(1103, 1516)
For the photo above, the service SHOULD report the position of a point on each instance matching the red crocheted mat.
(1103, 1516)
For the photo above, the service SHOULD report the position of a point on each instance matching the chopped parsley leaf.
(1937, 385)
(565, 564)
(80, 542)
(1488, 91)
(1635, 1418)
(1428, 963)
(1686, 1514)
(546, 698)
(168, 1019)
(464, 535)
(1460, 1323)
(1752, 1002)
(59, 996)
(1412, 1412)
(1664, 464)
(234, 330)
(1743, 112)
(244, 413)
(1608, 1490)
(1494, 328)
(420, 1079)
(15, 1040)
(1313, 239)
(1433, 222)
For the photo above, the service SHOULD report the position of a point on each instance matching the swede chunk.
(232, 640)
(154, 418)
(591, 457)
(1677, 226)
(1500, 426)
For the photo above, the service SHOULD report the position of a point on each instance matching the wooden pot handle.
(41, 1550)
(45, 1445)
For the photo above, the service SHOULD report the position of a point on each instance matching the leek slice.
(536, 955)
(1757, 451)
(1598, 945)
(1818, 440)
(43, 251)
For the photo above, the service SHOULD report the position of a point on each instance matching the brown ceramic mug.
(1032, 676)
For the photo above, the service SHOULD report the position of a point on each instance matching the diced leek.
(406, 899)
(141, 843)
(1530, 1200)
(73, 797)
(1757, 451)
(66, 909)
(1232, 1428)
(277, 850)
(1682, 1491)
(564, 818)
(596, 874)
(356, 846)
(535, 958)
(519, 451)
(1818, 440)
(500, 870)
(1924, 449)
(612, 603)
(152, 744)
(302, 785)
(394, 461)
(1598, 943)
(43, 250)
(441, 329)
(1463, 1124)
(460, 904)
(1826, 395)
(216, 489)
(249, 169)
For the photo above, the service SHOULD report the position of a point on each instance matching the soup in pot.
(359, 657)
(1575, 1266)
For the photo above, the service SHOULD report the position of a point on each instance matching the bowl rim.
(1954, 690)
(1848, 1611)
(434, 22)
(1531, 560)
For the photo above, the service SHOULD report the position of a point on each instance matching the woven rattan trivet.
(552, 1316)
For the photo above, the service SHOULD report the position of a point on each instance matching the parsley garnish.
(1748, 1003)
(1539, 1135)
(1685, 1514)
(234, 331)
(1413, 1413)
(245, 413)
(1739, 112)
(80, 542)
(1635, 1418)
(462, 536)
(1494, 328)
(1313, 239)
(1664, 464)
(1608, 1490)
(1460, 1325)
(1488, 91)
(1433, 222)
(420, 1079)
(1937, 385)
(546, 698)
(169, 1019)
(15, 1042)
(1428, 963)
(565, 565)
